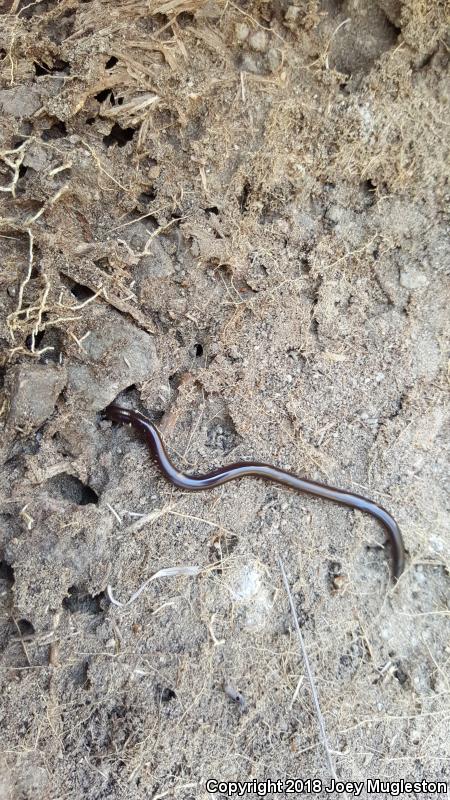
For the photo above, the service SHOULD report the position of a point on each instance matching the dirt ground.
(231, 216)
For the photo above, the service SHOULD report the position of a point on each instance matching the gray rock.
(158, 263)
(19, 102)
(413, 278)
(118, 354)
(242, 31)
(258, 41)
(37, 157)
(34, 391)
(273, 59)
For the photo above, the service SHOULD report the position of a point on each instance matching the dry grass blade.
(320, 719)
(168, 572)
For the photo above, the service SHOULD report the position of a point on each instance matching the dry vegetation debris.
(232, 215)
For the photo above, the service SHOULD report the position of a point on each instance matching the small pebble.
(236, 696)
(249, 64)
(413, 278)
(273, 59)
(339, 582)
(291, 15)
(435, 545)
(242, 31)
(258, 41)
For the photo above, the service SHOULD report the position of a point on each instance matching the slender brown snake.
(195, 483)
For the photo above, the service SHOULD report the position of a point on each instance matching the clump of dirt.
(232, 217)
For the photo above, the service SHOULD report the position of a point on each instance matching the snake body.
(241, 469)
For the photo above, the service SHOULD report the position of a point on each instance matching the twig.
(114, 513)
(22, 642)
(315, 696)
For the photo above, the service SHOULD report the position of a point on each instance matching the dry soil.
(231, 216)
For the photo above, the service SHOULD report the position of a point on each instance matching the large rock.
(34, 389)
(19, 102)
(117, 355)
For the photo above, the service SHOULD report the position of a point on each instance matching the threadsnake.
(240, 469)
